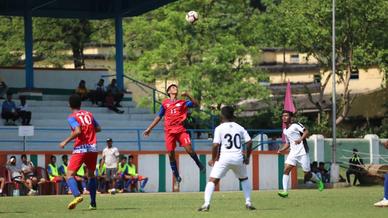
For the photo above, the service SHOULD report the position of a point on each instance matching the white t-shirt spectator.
(111, 156)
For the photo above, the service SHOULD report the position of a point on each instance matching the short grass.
(345, 202)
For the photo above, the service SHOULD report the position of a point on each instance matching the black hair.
(64, 156)
(228, 112)
(123, 157)
(130, 156)
(314, 163)
(168, 88)
(9, 93)
(321, 163)
(75, 101)
(52, 156)
(13, 156)
(23, 155)
(288, 112)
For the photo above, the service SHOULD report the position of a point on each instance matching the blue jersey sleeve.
(189, 104)
(95, 123)
(72, 122)
(161, 111)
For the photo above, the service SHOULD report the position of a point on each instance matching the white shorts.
(221, 167)
(303, 160)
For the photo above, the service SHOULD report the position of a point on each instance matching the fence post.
(374, 143)
(138, 140)
(154, 100)
(319, 147)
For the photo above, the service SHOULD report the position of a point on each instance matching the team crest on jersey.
(178, 105)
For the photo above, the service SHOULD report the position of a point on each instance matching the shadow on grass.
(113, 209)
(11, 212)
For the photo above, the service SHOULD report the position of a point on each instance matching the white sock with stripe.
(208, 192)
(286, 178)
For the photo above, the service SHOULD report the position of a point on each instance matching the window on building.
(317, 78)
(294, 58)
(354, 74)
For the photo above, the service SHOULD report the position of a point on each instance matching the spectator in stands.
(109, 103)
(110, 157)
(63, 168)
(134, 176)
(82, 91)
(356, 167)
(2, 183)
(17, 175)
(116, 92)
(99, 94)
(314, 169)
(53, 173)
(28, 170)
(8, 110)
(122, 177)
(23, 111)
(3, 89)
(101, 176)
(325, 175)
(62, 172)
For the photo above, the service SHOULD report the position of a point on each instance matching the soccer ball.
(192, 16)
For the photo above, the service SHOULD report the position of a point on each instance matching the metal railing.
(138, 140)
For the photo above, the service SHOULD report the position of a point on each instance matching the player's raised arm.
(193, 100)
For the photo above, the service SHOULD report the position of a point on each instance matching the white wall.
(52, 78)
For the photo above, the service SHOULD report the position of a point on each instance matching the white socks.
(314, 177)
(208, 192)
(286, 178)
(246, 187)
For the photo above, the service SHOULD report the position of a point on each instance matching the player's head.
(123, 159)
(12, 160)
(314, 164)
(53, 159)
(100, 161)
(65, 158)
(23, 157)
(287, 116)
(321, 165)
(130, 159)
(75, 101)
(109, 142)
(355, 151)
(227, 113)
(172, 90)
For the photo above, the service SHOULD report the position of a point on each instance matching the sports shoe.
(283, 194)
(382, 203)
(112, 191)
(321, 186)
(74, 202)
(92, 207)
(250, 207)
(141, 190)
(204, 208)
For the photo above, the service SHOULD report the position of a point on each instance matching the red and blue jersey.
(86, 141)
(175, 113)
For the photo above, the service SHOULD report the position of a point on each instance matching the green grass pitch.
(345, 202)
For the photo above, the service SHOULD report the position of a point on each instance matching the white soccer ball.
(192, 16)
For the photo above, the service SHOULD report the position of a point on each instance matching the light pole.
(334, 172)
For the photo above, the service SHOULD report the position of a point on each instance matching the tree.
(361, 31)
(11, 40)
(211, 58)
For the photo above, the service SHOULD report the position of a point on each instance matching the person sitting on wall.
(8, 110)
(109, 103)
(3, 89)
(97, 96)
(116, 92)
(356, 166)
(17, 175)
(82, 91)
(23, 111)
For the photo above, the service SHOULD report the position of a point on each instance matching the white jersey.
(293, 133)
(111, 157)
(230, 136)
